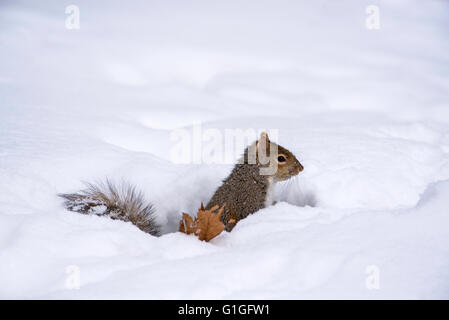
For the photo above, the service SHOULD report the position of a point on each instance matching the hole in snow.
(293, 192)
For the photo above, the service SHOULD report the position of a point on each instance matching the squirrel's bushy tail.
(120, 202)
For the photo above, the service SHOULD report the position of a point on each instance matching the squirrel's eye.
(281, 159)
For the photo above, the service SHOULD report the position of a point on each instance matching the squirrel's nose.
(295, 170)
(300, 167)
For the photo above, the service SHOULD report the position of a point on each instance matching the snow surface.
(365, 111)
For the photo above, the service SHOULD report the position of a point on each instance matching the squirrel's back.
(243, 192)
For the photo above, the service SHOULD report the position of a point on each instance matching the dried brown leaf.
(207, 225)
(187, 224)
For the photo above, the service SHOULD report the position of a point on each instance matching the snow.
(365, 111)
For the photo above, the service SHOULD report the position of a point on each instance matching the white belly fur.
(270, 193)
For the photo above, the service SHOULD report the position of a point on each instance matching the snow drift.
(365, 111)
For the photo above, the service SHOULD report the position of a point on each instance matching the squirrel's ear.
(264, 136)
(263, 141)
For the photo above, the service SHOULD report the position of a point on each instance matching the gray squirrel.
(247, 189)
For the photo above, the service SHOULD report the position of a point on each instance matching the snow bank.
(366, 112)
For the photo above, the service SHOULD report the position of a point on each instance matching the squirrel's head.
(277, 161)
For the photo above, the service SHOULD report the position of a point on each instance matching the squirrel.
(247, 189)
